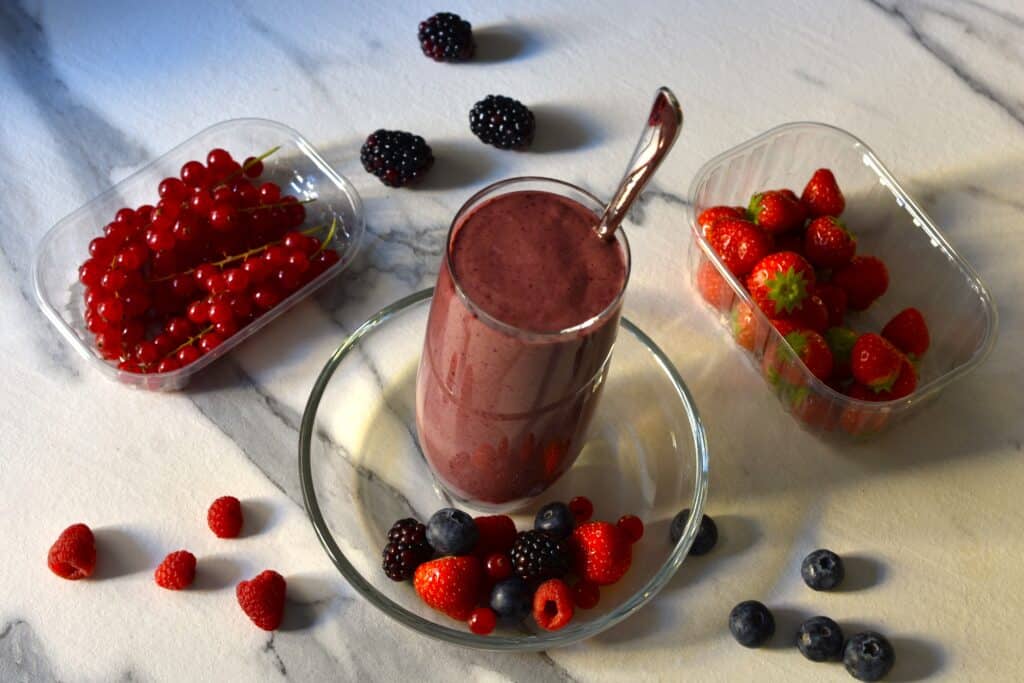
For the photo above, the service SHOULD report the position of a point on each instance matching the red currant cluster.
(169, 283)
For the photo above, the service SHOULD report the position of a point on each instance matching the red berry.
(215, 284)
(270, 193)
(225, 516)
(241, 304)
(602, 553)
(287, 279)
(222, 217)
(179, 329)
(143, 215)
(257, 268)
(828, 244)
(822, 196)
(482, 621)
(812, 349)
(102, 248)
(108, 343)
(160, 240)
(262, 599)
(164, 263)
(167, 209)
(226, 328)
(202, 273)
(193, 174)
(133, 256)
(499, 566)
(117, 234)
(450, 585)
(90, 273)
(182, 286)
(200, 201)
(780, 283)
(553, 605)
(497, 533)
(73, 554)
(114, 280)
(186, 228)
(632, 526)
(712, 286)
(253, 167)
(220, 311)
(219, 158)
(132, 333)
(840, 342)
(177, 571)
(266, 297)
(908, 332)
(864, 279)
(812, 314)
(168, 365)
(581, 508)
(237, 280)
(146, 352)
(709, 217)
(777, 211)
(298, 262)
(164, 344)
(875, 362)
(904, 385)
(586, 595)
(189, 354)
(834, 298)
(209, 341)
(276, 256)
(198, 312)
(110, 310)
(172, 189)
(130, 218)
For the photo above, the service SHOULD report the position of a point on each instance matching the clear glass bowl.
(925, 271)
(296, 167)
(361, 469)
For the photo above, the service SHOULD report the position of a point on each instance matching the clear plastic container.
(296, 167)
(925, 271)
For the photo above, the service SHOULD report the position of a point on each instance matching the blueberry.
(512, 599)
(751, 623)
(868, 656)
(822, 570)
(452, 532)
(556, 519)
(820, 639)
(707, 535)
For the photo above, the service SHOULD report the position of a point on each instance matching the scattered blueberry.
(707, 535)
(512, 599)
(556, 519)
(820, 639)
(868, 656)
(822, 570)
(751, 623)
(452, 532)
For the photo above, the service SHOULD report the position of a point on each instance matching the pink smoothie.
(502, 402)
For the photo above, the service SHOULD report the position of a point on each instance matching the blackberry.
(503, 122)
(447, 37)
(407, 549)
(396, 157)
(539, 556)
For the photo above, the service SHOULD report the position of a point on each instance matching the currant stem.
(252, 162)
(260, 207)
(329, 237)
(191, 340)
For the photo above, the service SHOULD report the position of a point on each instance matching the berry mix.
(168, 283)
(799, 263)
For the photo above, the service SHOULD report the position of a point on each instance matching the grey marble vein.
(275, 658)
(22, 659)
(973, 19)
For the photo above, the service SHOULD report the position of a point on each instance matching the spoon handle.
(662, 128)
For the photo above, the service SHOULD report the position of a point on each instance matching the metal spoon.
(663, 126)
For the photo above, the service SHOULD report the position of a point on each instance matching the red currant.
(276, 256)
(111, 310)
(499, 566)
(253, 167)
(203, 272)
(198, 312)
(108, 342)
(586, 595)
(92, 297)
(219, 158)
(160, 240)
(209, 341)
(117, 234)
(114, 280)
(94, 323)
(165, 263)
(224, 195)
(164, 344)
(221, 311)
(580, 506)
(295, 241)
(144, 214)
(266, 297)
(133, 256)
(298, 261)
(182, 286)
(193, 174)
(90, 273)
(102, 248)
(126, 216)
(186, 228)
(173, 189)
(168, 208)
(482, 621)
(270, 193)
(248, 196)
(188, 355)
(128, 365)
(226, 328)
(132, 333)
(135, 302)
(237, 280)
(201, 201)
(168, 365)
(632, 527)
(215, 284)
(241, 305)
(257, 268)
(222, 217)
(146, 352)
(287, 279)
(179, 329)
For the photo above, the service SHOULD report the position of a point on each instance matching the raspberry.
(262, 599)
(537, 555)
(73, 555)
(497, 534)
(397, 158)
(177, 571)
(602, 553)
(446, 37)
(552, 605)
(450, 585)
(586, 595)
(482, 621)
(407, 549)
(582, 509)
(502, 122)
(225, 517)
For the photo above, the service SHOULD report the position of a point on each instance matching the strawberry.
(601, 552)
(864, 279)
(785, 326)
(856, 420)
(739, 243)
(709, 217)
(834, 297)
(712, 286)
(176, 571)
(812, 314)
(840, 342)
(497, 533)
(790, 241)
(776, 211)
(904, 385)
(908, 332)
(828, 244)
(262, 599)
(810, 347)
(744, 325)
(822, 196)
(553, 605)
(450, 585)
(73, 555)
(780, 283)
(875, 362)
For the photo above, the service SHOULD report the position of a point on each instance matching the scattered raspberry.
(586, 595)
(553, 605)
(177, 571)
(602, 552)
(499, 566)
(632, 526)
(582, 509)
(225, 517)
(73, 555)
(262, 599)
(450, 585)
(497, 534)
(482, 621)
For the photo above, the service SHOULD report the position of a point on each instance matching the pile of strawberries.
(799, 263)
(168, 283)
(554, 575)
(73, 556)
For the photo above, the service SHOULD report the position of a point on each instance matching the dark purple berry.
(447, 37)
(502, 122)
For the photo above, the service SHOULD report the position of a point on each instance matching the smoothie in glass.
(519, 339)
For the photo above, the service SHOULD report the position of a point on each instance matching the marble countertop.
(92, 93)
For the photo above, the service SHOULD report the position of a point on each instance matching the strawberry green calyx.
(798, 340)
(754, 208)
(787, 290)
(840, 341)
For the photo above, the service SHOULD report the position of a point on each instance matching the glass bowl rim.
(527, 643)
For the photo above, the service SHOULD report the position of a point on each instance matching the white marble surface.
(92, 92)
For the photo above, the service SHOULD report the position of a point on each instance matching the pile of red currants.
(169, 283)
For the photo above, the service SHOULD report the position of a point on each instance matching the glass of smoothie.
(519, 340)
